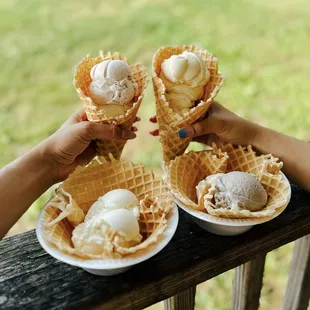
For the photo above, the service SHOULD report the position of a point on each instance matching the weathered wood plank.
(31, 279)
(248, 283)
(182, 301)
(298, 286)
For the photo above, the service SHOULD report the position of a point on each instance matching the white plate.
(108, 267)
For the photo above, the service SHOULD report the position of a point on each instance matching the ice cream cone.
(94, 113)
(168, 120)
(201, 164)
(87, 184)
(223, 159)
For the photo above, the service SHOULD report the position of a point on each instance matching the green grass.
(262, 47)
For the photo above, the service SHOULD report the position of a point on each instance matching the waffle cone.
(170, 122)
(224, 159)
(87, 184)
(95, 113)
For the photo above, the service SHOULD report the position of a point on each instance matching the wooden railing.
(31, 279)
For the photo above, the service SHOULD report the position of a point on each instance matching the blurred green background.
(262, 47)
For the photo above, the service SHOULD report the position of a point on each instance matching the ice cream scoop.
(112, 86)
(92, 237)
(181, 96)
(113, 200)
(234, 190)
(108, 91)
(186, 68)
(122, 221)
(184, 77)
(116, 69)
(97, 235)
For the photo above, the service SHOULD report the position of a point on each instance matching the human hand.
(219, 124)
(74, 143)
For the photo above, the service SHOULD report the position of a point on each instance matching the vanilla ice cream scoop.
(112, 86)
(184, 77)
(234, 190)
(123, 222)
(115, 69)
(186, 68)
(181, 96)
(92, 237)
(96, 236)
(113, 200)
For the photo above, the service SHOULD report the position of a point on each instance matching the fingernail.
(127, 134)
(155, 132)
(153, 119)
(183, 134)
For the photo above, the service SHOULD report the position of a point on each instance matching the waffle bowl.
(170, 122)
(95, 113)
(158, 215)
(223, 159)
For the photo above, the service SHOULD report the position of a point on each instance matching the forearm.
(21, 183)
(294, 154)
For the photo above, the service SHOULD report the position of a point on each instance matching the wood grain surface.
(248, 283)
(298, 286)
(31, 279)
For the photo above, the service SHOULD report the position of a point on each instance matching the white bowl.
(225, 226)
(110, 267)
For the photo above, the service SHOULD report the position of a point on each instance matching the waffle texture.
(170, 122)
(85, 186)
(94, 113)
(224, 159)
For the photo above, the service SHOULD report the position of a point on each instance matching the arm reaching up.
(221, 124)
(50, 162)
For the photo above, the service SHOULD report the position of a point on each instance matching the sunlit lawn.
(263, 51)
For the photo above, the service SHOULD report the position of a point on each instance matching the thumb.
(97, 131)
(76, 138)
(201, 128)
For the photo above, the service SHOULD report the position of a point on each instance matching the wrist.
(45, 163)
(257, 135)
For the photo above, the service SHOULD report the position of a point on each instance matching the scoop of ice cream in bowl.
(107, 217)
(235, 191)
(230, 188)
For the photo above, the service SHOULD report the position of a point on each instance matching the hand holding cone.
(82, 80)
(168, 120)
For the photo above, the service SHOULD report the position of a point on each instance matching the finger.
(155, 132)
(153, 119)
(76, 138)
(128, 134)
(138, 119)
(97, 131)
(76, 117)
(134, 129)
(204, 127)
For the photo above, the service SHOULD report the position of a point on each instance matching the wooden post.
(298, 286)
(248, 283)
(182, 301)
